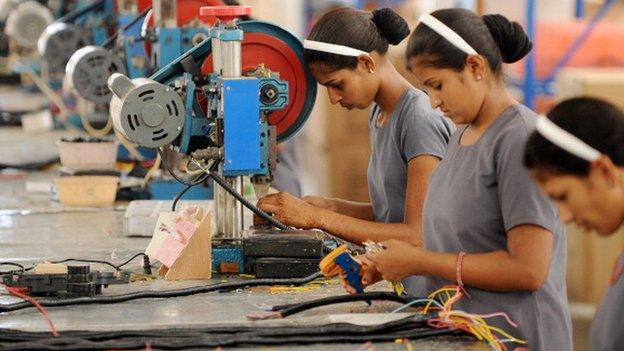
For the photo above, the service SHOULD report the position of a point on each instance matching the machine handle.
(225, 13)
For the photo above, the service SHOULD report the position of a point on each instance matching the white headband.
(565, 140)
(333, 48)
(447, 33)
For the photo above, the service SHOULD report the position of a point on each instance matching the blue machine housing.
(243, 137)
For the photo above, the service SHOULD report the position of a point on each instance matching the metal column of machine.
(227, 58)
(230, 100)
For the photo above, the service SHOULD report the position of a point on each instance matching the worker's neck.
(391, 87)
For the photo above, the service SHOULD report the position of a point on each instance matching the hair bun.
(510, 37)
(391, 25)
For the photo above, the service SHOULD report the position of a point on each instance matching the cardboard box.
(590, 263)
(605, 83)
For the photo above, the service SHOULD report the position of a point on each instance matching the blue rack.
(531, 85)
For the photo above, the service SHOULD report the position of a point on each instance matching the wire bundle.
(474, 324)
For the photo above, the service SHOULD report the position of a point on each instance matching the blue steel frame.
(531, 85)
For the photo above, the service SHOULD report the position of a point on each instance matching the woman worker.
(577, 158)
(346, 53)
(485, 222)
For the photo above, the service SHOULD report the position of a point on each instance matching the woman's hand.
(397, 261)
(291, 210)
(370, 275)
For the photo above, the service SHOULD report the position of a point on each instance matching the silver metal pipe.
(231, 60)
(216, 56)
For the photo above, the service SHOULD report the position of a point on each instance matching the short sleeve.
(521, 200)
(423, 131)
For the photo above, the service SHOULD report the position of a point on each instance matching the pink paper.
(169, 251)
(185, 229)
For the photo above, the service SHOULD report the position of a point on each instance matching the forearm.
(361, 210)
(495, 271)
(358, 230)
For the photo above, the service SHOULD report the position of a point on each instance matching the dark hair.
(598, 123)
(492, 36)
(361, 30)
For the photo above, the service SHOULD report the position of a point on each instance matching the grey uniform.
(286, 177)
(607, 334)
(414, 129)
(475, 196)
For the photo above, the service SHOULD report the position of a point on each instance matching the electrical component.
(78, 281)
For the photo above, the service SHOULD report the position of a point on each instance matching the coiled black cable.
(412, 327)
(159, 294)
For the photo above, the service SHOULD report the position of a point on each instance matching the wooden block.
(195, 261)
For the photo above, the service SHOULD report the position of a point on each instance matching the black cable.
(203, 178)
(210, 173)
(179, 196)
(159, 294)
(288, 310)
(84, 261)
(134, 20)
(116, 267)
(267, 217)
(412, 327)
(12, 264)
(72, 16)
(140, 254)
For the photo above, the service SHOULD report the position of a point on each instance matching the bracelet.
(458, 268)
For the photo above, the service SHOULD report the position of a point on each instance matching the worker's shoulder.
(415, 112)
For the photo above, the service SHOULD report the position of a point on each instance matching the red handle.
(225, 13)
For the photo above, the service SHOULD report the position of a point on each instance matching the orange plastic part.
(328, 267)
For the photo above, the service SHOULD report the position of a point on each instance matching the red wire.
(16, 292)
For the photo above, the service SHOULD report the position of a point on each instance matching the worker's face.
(458, 95)
(593, 202)
(351, 88)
